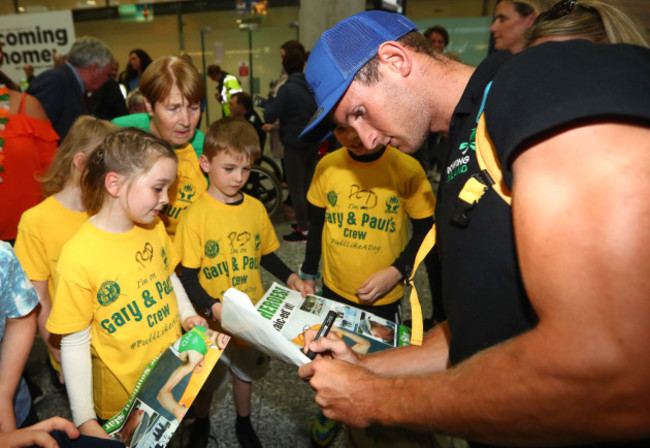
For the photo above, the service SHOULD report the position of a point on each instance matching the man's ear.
(113, 183)
(396, 57)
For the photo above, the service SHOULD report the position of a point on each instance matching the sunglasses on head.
(561, 9)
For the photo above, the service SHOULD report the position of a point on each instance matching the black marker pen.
(323, 330)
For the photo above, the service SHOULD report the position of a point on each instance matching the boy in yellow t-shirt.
(223, 238)
(362, 200)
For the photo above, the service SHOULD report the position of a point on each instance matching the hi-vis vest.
(489, 176)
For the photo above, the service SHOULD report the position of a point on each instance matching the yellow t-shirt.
(367, 209)
(42, 232)
(118, 284)
(226, 242)
(190, 183)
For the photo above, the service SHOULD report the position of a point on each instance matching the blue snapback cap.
(339, 54)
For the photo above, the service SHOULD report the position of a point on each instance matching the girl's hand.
(193, 321)
(304, 287)
(92, 428)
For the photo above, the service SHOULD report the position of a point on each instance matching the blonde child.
(46, 227)
(116, 306)
(224, 238)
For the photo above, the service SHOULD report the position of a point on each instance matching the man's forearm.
(432, 356)
(518, 392)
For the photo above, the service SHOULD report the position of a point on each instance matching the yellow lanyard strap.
(416, 310)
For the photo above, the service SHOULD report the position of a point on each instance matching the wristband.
(304, 276)
(208, 311)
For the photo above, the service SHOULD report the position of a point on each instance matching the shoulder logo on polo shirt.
(459, 165)
(470, 144)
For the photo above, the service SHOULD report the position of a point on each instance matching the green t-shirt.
(143, 121)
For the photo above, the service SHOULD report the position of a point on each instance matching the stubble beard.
(418, 126)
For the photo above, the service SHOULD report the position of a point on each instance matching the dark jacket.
(294, 106)
(107, 102)
(61, 96)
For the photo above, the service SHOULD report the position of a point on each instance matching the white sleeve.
(185, 307)
(78, 374)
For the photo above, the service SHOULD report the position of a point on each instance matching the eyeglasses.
(561, 9)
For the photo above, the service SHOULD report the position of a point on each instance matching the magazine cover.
(364, 332)
(166, 389)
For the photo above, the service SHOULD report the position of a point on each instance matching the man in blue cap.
(546, 299)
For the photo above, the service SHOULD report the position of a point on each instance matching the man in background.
(227, 85)
(241, 105)
(62, 91)
(109, 101)
(439, 38)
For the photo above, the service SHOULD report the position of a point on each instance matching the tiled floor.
(283, 405)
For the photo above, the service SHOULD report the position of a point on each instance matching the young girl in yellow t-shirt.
(46, 227)
(115, 304)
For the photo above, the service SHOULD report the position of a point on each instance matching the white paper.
(240, 319)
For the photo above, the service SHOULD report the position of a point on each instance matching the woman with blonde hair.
(45, 228)
(512, 19)
(173, 89)
(596, 20)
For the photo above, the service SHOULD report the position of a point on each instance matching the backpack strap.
(486, 156)
(417, 328)
(489, 176)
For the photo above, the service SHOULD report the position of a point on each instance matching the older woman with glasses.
(596, 20)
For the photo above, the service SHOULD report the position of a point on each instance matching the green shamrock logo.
(469, 144)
